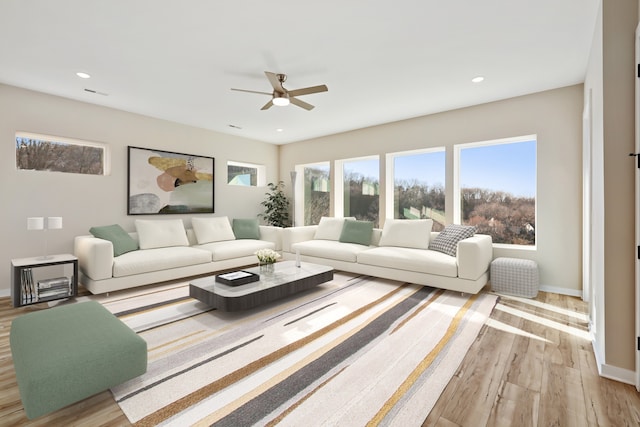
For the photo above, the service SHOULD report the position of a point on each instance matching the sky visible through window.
(425, 167)
(507, 167)
(500, 167)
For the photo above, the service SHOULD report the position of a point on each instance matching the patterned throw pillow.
(447, 241)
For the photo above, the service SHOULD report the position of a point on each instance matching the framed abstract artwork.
(163, 182)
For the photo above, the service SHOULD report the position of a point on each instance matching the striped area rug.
(353, 351)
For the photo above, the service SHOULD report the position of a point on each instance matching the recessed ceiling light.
(477, 79)
(83, 75)
(279, 130)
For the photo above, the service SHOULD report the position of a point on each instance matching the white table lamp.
(38, 223)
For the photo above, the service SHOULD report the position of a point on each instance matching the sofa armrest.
(293, 235)
(272, 234)
(95, 256)
(474, 256)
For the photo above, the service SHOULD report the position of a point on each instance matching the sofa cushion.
(329, 228)
(410, 259)
(356, 232)
(447, 241)
(236, 248)
(329, 249)
(246, 229)
(121, 241)
(161, 233)
(213, 229)
(406, 233)
(145, 261)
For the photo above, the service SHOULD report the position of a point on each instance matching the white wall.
(83, 200)
(555, 116)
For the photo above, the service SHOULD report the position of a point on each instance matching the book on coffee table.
(236, 278)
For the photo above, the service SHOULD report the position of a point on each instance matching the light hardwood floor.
(531, 365)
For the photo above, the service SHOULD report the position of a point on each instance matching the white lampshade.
(35, 223)
(54, 222)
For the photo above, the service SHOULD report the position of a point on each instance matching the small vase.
(266, 268)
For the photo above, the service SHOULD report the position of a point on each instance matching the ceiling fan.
(281, 96)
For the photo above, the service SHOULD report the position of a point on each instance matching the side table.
(35, 280)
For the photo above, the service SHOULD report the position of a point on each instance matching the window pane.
(245, 174)
(498, 190)
(361, 189)
(54, 155)
(419, 187)
(316, 193)
(242, 175)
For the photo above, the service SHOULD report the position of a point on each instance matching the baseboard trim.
(608, 371)
(5, 293)
(561, 291)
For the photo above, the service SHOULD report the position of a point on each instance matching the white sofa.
(467, 271)
(101, 271)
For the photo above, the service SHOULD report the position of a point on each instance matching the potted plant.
(276, 206)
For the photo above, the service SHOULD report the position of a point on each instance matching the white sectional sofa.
(162, 250)
(399, 251)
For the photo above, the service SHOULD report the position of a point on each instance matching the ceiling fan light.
(281, 100)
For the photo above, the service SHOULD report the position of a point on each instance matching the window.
(418, 186)
(54, 154)
(496, 189)
(245, 174)
(316, 192)
(361, 188)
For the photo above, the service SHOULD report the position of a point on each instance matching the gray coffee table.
(287, 279)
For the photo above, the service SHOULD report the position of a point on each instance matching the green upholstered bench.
(68, 353)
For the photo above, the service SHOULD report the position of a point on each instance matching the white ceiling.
(381, 60)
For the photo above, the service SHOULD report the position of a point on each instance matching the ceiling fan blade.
(267, 105)
(273, 79)
(308, 90)
(300, 103)
(251, 91)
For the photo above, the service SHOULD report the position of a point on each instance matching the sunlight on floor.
(582, 317)
(583, 334)
(492, 323)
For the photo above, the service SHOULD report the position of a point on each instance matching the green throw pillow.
(246, 229)
(122, 242)
(357, 232)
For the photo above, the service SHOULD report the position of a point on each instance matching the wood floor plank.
(480, 381)
(519, 371)
(515, 406)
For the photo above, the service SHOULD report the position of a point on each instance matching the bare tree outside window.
(498, 189)
(362, 190)
(419, 186)
(317, 193)
(45, 154)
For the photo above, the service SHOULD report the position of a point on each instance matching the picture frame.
(165, 182)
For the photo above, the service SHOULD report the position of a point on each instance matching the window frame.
(261, 180)
(298, 190)
(338, 186)
(390, 184)
(106, 158)
(457, 199)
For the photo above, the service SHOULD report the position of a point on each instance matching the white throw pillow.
(330, 228)
(406, 233)
(161, 233)
(209, 230)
